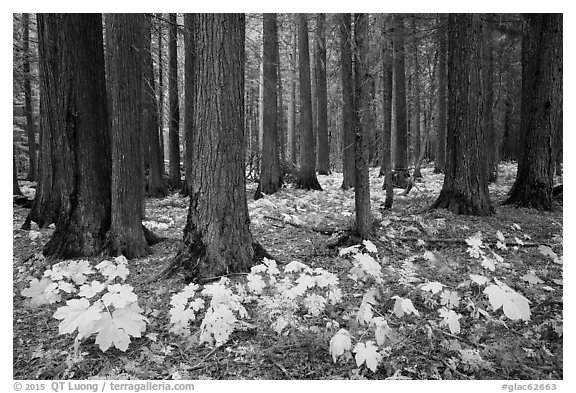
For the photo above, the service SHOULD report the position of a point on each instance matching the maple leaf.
(370, 247)
(365, 312)
(404, 306)
(532, 279)
(255, 283)
(42, 292)
(119, 295)
(382, 330)
(478, 279)
(429, 256)
(110, 270)
(349, 250)
(109, 333)
(450, 318)
(272, 266)
(77, 271)
(295, 266)
(78, 314)
(130, 320)
(514, 305)
(433, 286)
(450, 299)
(315, 304)
(546, 251)
(217, 325)
(488, 263)
(339, 344)
(89, 291)
(367, 353)
(500, 237)
(366, 267)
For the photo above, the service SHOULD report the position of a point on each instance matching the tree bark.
(322, 97)
(362, 78)
(30, 125)
(75, 116)
(270, 176)
(281, 115)
(189, 92)
(156, 186)
(440, 159)
(400, 175)
(491, 138)
(123, 40)
(292, 103)
(161, 92)
(174, 138)
(307, 162)
(347, 94)
(217, 237)
(541, 111)
(465, 189)
(15, 186)
(387, 75)
(416, 83)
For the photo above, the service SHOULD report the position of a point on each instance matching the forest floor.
(489, 346)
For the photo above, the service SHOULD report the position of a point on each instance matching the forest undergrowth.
(427, 256)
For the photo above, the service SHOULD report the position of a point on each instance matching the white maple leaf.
(295, 266)
(66, 287)
(255, 283)
(366, 267)
(382, 330)
(367, 353)
(370, 247)
(404, 306)
(217, 325)
(450, 318)
(77, 271)
(130, 320)
(450, 299)
(339, 344)
(433, 287)
(500, 237)
(478, 279)
(119, 295)
(488, 263)
(111, 270)
(349, 250)
(429, 256)
(532, 279)
(315, 304)
(78, 314)
(109, 333)
(514, 305)
(42, 291)
(365, 312)
(89, 291)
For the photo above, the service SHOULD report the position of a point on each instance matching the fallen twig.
(327, 232)
(463, 241)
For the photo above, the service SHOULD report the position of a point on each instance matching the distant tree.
(386, 162)
(15, 186)
(440, 161)
(345, 30)
(75, 120)
(280, 115)
(270, 176)
(401, 149)
(217, 237)
(124, 43)
(160, 93)
(321, 96)
(416, 86)
(156, 186)
(292, 101)
(30, 125)
(465, 189)
(362, 78)
(541, 111)
(307, 162)
(189, 91)
(173, 136)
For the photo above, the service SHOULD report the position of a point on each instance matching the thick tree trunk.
(322, 97)
(161, 110)
(77, 123)
(174, 130)
(307, 171)
(491, 137)
(541, 111)
(270, 176)
(347, 94)
(386, 165)
(123, 40)
(156, 187)
(440, 159)
(465, 189)
(362, 78)
(416, 83)
(30, 125)
(400, 175)
(281, 115)
(217, 237)
(189, 93)
(292, 104)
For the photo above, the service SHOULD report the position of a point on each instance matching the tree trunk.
(281, 116)
(440, 159)
(292, 103)
(123, 40)
(156, 186)
(491, 138)
(400, 175)
(217, 237)
(15, 186)
(270, 176)
(307, 171)
(465, 189)
(189, 93)
(77, 123)
(386, 165)
(174, 138)
(30, 125)
(416, 84)
(362, 78)
(347, 94)
(161, 91)
(321, 94)
(541, 111)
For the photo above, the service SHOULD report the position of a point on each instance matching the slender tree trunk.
(347, 94)
(15, 186)
(190, 92)
(30, 125)
(440, 159)
(123, 40)
(307, 171)
(156, 186)
(270, 176)
(281, 116)
(416, 82)
(401, 149)
(217, 237)
(292, 103)
(322, 97)
(465, 189)
(362, 78)
(541, 111)
(161, 110)
(386, 166)
(174, 138)
(76, 116)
